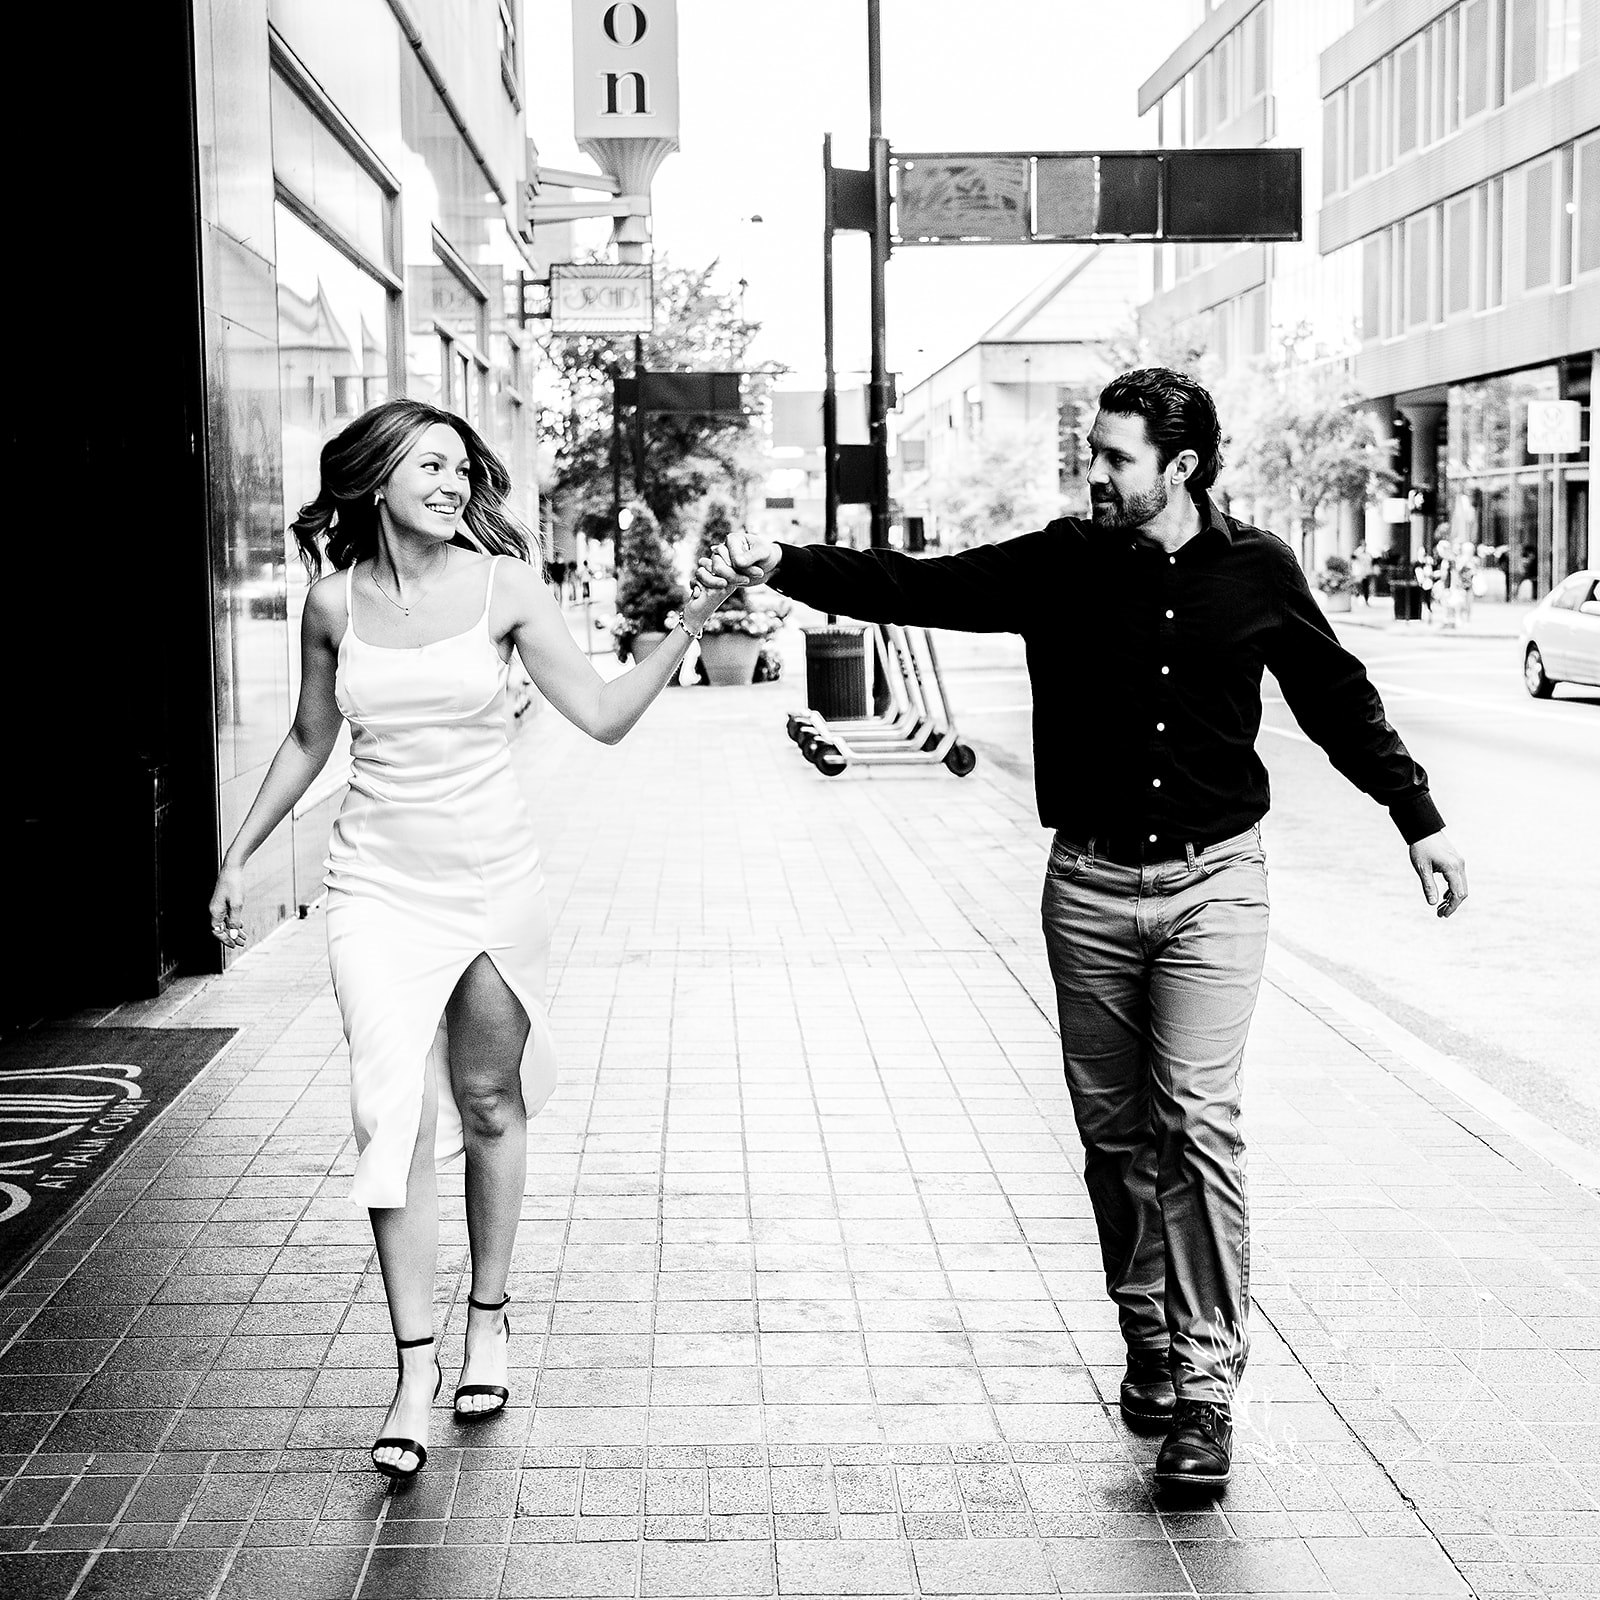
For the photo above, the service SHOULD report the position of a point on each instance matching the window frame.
(1509, 10)
(1549, 164)
(1333, 150)
(1354, 119)
(1416, 46)
(1586, 221)
(1420, 225)
(1451, 211)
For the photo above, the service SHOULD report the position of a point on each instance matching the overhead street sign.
(682, 393)
(1056, 197)
(963, 197)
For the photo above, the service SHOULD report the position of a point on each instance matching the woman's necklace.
(422, 594)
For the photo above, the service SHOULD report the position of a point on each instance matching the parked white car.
(1561, 638)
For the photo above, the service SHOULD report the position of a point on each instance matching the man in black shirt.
(1147, 632)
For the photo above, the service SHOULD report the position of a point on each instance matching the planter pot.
(730, 658)
(1336, 602)
(644, 642)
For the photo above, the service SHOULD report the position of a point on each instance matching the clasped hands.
(741, 562)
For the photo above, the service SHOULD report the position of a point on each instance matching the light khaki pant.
(1157, 970)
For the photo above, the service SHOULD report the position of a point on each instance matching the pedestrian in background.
(438, 933)
(1426, 572)
(1361, 571)
(1147, 632)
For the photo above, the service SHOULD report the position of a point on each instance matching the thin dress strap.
(488, 593)
(349, 591)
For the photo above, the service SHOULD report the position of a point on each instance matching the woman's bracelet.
(678, 620)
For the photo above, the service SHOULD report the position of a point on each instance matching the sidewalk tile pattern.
(807, 1296)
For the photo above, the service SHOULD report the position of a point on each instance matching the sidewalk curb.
(1423, 630)
(1578, 1163)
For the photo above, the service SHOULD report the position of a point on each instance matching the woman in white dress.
(437, 927)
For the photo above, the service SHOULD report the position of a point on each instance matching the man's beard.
(1132, 512)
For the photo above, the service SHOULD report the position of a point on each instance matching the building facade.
(320, 214)
(1451, 250)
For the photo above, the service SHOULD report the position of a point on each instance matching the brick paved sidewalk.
(807, 1296)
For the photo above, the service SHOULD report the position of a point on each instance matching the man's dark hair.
(1178, 415)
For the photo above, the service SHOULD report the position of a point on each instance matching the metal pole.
(638, 418)
(878, 394)
(830, 398)
(616, 475)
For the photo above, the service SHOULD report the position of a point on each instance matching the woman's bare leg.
(488, 1029)
(408, 1249)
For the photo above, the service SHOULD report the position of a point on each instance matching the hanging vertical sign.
(625, 69)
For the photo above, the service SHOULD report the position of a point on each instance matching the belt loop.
(1087, 858)
(1188, 854)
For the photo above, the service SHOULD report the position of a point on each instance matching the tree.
(698, 328)
(996, 491)
(1183, 346)
(1302, 440)
(649, 587)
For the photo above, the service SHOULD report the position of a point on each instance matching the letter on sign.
(625, 69)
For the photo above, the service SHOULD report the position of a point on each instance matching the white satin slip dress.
(432, 862)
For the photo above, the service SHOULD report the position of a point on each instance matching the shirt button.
(1155, 783)
(1152, 838)
(1165, 671)
(1169, 616)
(1161, 727)
(1172, 561)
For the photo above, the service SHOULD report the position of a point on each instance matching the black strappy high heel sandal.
(497, 1390)
(411, 1446)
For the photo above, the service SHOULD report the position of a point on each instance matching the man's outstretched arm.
(990, 588)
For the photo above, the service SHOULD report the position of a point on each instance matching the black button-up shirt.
(1146, 668)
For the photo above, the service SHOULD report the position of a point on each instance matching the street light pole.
(830, 402)
(878, 393)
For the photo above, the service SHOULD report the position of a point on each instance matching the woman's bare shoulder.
(520, 578)
(324, 609)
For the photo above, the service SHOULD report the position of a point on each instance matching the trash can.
(1407, 601)
(836, 671)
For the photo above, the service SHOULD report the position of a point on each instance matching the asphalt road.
(1510, 985)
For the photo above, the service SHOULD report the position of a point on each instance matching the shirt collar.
(1212, 520)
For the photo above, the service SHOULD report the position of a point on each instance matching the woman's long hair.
(342, 522)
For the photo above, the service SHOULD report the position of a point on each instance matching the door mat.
(72, 1100)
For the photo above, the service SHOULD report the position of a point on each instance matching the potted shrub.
(649, 589)
(1335, 583)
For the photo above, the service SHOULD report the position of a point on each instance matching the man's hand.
(1435, 857)
(743, 560)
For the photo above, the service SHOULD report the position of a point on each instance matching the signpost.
(601, 297)
(1555, 429)
(1017, 197)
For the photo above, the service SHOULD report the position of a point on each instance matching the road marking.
(1285, 733)
(1016, 705)
(1508, 707)
(1579, 1163)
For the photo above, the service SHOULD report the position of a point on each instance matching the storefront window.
(333, 364)
(324, 176)
(333, 356)
(1497, 495)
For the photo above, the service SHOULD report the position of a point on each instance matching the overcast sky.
(761, 82)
